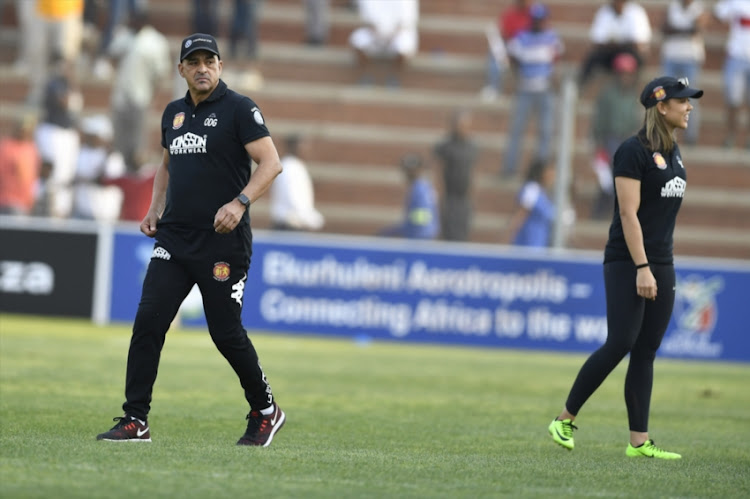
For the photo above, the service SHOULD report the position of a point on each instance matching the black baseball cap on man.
(198, 41)
(666, 87)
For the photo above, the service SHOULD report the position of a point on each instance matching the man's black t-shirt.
(663, 181)
(208, 163)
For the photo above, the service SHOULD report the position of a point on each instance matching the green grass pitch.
(378, 420)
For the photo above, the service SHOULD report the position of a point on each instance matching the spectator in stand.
(292, 193)
(19, 169)
(317, 21)
(535, 51)
(27, 19)
(531, 223)
(619, 26)
(57, 31)
(144, 64)
(57, 139)
(136, 186)
(244, 27)
(389, 33)
(92, 199)
(510, 22)
(457, 154)
(615, 119)
(421, 218)
(683, 49)
(736, 13)
(119, 13)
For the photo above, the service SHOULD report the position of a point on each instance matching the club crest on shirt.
(178, 120)
(659, 161)
(257, 116)
(221, 271)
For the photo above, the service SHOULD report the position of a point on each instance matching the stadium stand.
(360, 133)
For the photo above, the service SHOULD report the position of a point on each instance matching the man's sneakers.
(649, 449)
(261, 429)
(562, 432)
(127, 429)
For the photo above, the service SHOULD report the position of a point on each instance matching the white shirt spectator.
(737, 14)
(631, 26)
(391, 28)
(292, 198)
(145, 62)
(681, 47)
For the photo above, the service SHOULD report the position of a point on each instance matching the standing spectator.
(244, 27)
(118, 13)
(421, 219)
(619, 26)
(386, 32)
(683, 49)
(19, 169)
(615, 119)
(317, 21)
(736, 13)
(510, 22)
(531, 223)
(458, 155)
(199, 215)
(57, 138)
(27, 25)
(535, 51)
(92, 198)
(136, 185)
(144, 64)
(58, 31)
(292, 193)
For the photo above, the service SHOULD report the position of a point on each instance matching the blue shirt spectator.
(531, 224)
(421, 218)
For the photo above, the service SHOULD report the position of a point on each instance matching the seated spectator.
(457, 154)
(136, 185)
(619, 26)
(536, 52)
(736, 13)
(421, 219)
(510, 22)
(93, 200)
(531, 223)
(19, 169)
(386, 32)
(615, 119)
(683, 49)
(292, 195)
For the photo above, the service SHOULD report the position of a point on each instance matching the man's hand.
(228, 217)
(148, 226)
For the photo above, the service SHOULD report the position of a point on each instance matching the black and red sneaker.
(127, 429)
(261, 429)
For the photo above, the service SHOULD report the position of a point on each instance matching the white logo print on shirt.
(188, 143)
(675, 188)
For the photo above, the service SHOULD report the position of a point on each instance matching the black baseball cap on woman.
(198, 41)
(666, 87)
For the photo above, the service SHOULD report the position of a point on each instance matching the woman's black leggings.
(636, 326)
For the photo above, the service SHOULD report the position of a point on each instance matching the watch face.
(244, 200)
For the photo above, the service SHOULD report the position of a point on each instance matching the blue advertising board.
(455, 294)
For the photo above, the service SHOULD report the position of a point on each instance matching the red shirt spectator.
(136, 189)
(514, 19)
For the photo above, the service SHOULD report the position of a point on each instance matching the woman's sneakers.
(649, 449)
(562, 432)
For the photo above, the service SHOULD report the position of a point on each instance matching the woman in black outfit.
(639, 275)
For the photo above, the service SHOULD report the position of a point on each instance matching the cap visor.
(691, 93)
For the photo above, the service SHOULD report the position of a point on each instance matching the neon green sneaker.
(562, 432)
(648, 449)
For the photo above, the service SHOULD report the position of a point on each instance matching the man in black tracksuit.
(201, 226)
(639, 276)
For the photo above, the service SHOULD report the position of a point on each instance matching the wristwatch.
(244, 200)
